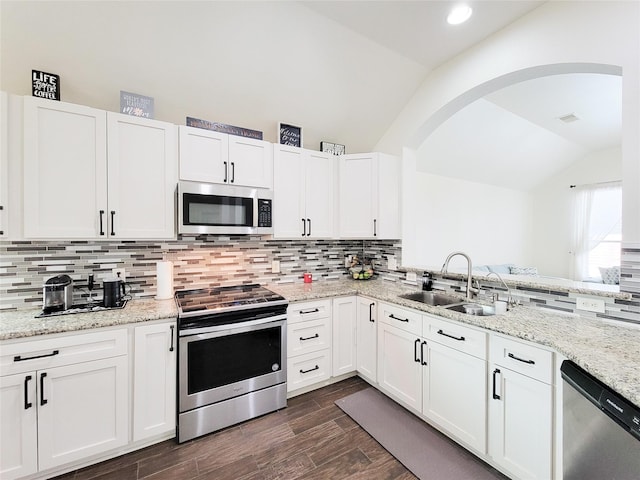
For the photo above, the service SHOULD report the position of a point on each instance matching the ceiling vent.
(569, 118)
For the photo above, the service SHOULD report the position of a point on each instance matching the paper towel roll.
(164, 280)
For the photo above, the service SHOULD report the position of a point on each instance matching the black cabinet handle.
(304, 227)
(113, 214)
(304, 312)
(530, 362)
(309, 233)
(495, 395)
(43, 401)
(310, 370)
(461, 339)
(19, 358)
(27, 403)
(226, 168)
(171, 346)
(371, 319)
(233, 172)
(398, 318)
(309, 338)
(375, 227)
(101, 226)
(422, 353)
(415, 351)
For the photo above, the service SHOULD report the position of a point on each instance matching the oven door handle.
(230, 328)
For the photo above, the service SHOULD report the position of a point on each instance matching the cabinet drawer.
(299, 312)
(65, 350)
(454, 335)
(308, 336)
(522, 358)
(399, 317)
(307, 369)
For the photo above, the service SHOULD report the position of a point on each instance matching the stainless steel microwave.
(209, 208)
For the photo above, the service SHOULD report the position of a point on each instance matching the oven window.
(231, 358)
(217, 210)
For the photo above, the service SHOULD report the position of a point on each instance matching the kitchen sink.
(472, 309)
(431, 298)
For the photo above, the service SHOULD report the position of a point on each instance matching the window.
(597, 230)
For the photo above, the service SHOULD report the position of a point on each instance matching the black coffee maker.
(113, 292)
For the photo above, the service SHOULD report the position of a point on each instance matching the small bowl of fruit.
(361, 269)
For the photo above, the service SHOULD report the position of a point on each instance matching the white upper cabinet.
(369, 196)
(67, 167)
(4, 163)
(142, 177)
(304, 193)
(214, 157)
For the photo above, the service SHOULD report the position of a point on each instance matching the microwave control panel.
(264, 212)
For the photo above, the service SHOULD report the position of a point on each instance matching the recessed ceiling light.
(459, 14)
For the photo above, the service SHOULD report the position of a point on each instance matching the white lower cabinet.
(65, 399)
(521, 409)
(344, 335)
(154, 380)
(367, 338)
(308, 343)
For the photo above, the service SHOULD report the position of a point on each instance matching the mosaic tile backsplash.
(198, 262)
(217, 260)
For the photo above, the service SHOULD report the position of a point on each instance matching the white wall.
(555, 33)
(491, 224)
(553, 203)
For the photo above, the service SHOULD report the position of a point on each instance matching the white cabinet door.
(358, 175)
(455, 394)
(320, 194)
(388, 197)
(344, 335)
(520, 424)
(82, 410)
(154, 380)
(367, 338)
(18, 428)
(288, 192)
(204, 155)
(304, 193)
(142, 172)
(4, 164)
(65, 170)
(250, 162)
(399, 365)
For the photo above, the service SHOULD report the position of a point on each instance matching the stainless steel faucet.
(510, 301)
(471, 290)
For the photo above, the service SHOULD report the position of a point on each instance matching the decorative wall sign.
(45, 85)
(289, 135)
(224, 128)
(333, 148)
(136, 105)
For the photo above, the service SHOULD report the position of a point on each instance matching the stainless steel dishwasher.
(601, 429)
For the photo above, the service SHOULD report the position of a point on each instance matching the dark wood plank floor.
(310, 439)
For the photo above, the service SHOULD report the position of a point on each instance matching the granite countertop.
(606, 349)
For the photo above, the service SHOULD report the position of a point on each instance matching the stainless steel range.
(231, 357)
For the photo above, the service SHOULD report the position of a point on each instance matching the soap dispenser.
(427, 281)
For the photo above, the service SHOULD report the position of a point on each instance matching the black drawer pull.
(415, 351)
(43, 401)
(113, 214)
(422, 353)
(304, 312)
(171, 346)
(398, 318)
(309, 338)
(19, 358)
(310, 370)
(101, 226)
(440, 332)
(495, 395)
(371, 305)
(27, 403)
(530, 362)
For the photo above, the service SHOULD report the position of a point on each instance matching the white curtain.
(597, 212)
